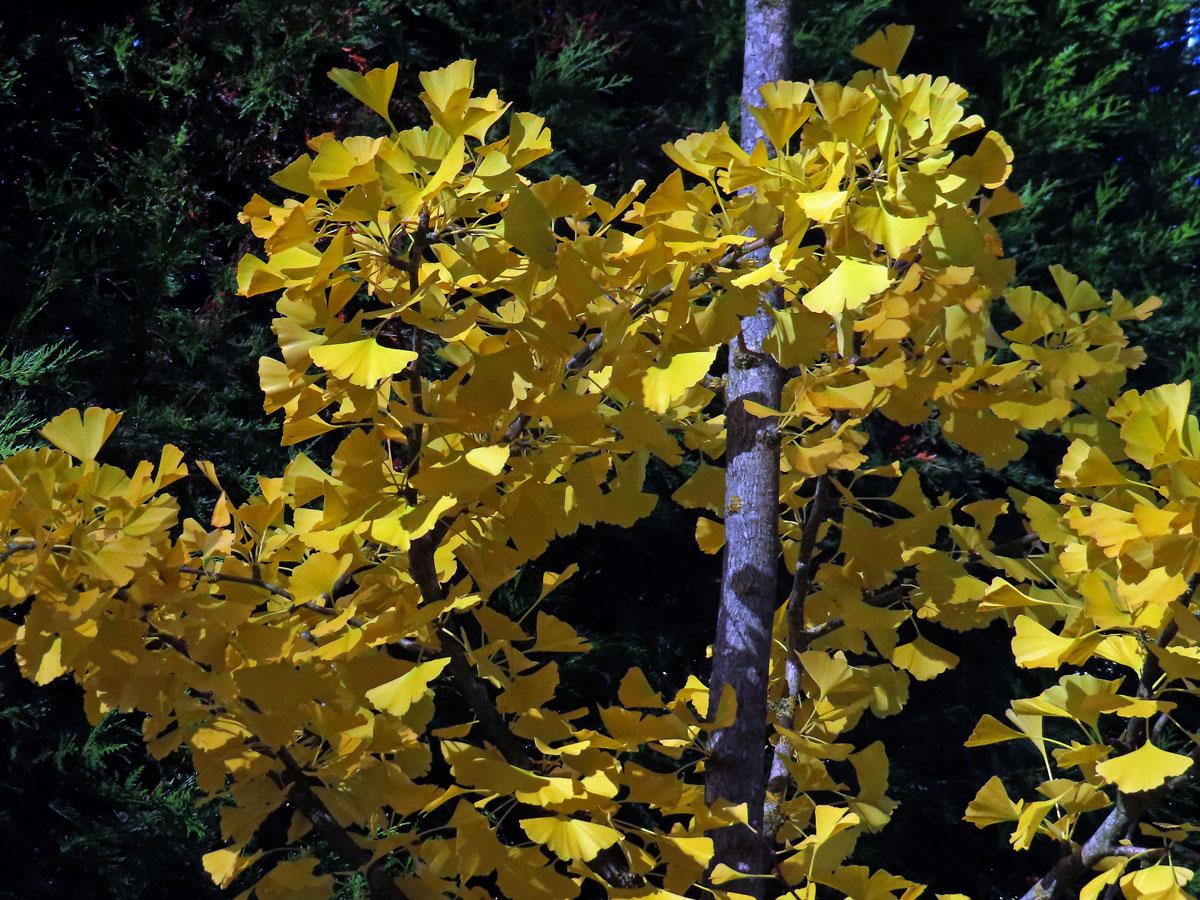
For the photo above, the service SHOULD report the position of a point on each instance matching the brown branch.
(1190, 857)
(1128, 809)
(778, 776)
(802, 581)
(610, 863)
(381, 885)
(13, 547)
(474, 688)
(1145, 688)
(258, 581)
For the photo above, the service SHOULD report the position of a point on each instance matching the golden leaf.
(885, 48)
(661, 387)
(373, 88)
(992, 805)
(81, 436)
(1144, 769)
(398, 695)
(570, 838)
(362, 362)
(849, 286)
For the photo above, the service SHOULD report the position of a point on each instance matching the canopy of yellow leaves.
(297, 642)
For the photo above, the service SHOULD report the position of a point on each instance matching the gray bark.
(742, 647)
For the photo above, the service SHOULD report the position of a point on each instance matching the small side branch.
(473, 687)
(258, 581)
(381, 885)
(1105, 841)
(13, 547)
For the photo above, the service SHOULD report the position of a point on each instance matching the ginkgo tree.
(496, 359)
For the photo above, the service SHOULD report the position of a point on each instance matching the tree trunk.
(742, 647)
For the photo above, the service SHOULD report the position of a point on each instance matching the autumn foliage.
(500, 357)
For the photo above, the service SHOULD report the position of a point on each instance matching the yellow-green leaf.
(373, 88)
(399, 694)
(1144, 769)
(661, 387)
(849, 286)
(82, 436)
(570, 838)
(362, 362)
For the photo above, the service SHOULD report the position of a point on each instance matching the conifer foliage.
(499, 357)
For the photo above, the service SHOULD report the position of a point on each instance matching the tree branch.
(474, 688)
(258, 581)
(13, 547)
(1105, 840)
(381, 885)
(798, 640)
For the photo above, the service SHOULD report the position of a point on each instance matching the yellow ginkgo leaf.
(570, 838)
(50, 665)
(726, 708)
(1035, 646)
(225, 865)
(923, 659)
(82, 436)
(831, 820)
(317, 575)
(885, 48)
(760, 411)
(784, 113)
(364, 362)
(1157, 883)
(489, 459)
(1030, 821)
(710, 535)
(635, 691)
(1144, 769)
(442, 85)
(895, 233)
(849, 286)
(399, 694)
(373, 88)
(991, 730)
(1092, 890)
(527, 226)
(256, 277)
(824, 206)
(662, 387)
(722, 873)
(547, 790)
(992, 805)
(556, 636)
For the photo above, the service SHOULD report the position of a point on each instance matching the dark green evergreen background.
(132, 132)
